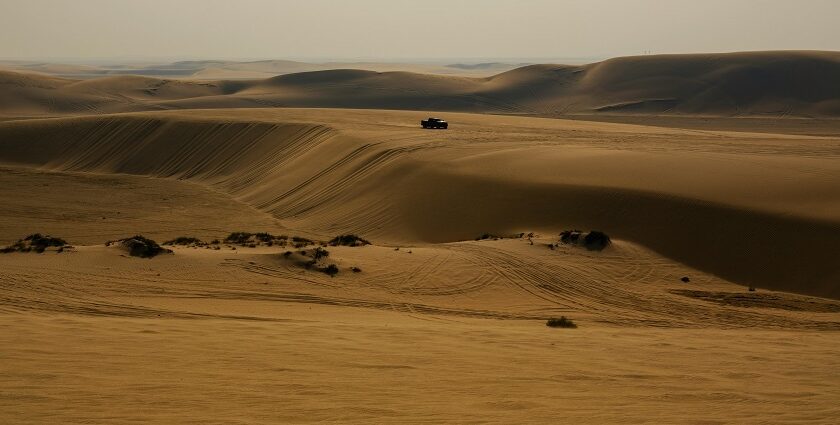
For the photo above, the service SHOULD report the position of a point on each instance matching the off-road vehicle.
(434, 123)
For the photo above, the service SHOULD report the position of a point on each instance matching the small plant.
(298, 239)
(264, 237)
(596, 240)
(331, 270)
(355, 269)
(685, 279)
(562, 322)
(238, 238)
(184, 240)
(570, 236)
(348, 240)
(319, 253)
(139, 246)
(35, 242)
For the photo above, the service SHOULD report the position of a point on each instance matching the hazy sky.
(415, 29)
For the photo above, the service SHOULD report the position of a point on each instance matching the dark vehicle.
(434, 123)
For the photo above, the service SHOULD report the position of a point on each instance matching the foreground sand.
(328, 364)
(447, 333)
(445, 328)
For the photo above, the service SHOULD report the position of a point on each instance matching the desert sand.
(689, 177)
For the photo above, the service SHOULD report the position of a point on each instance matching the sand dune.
(443, 317)
(728, 208)
(777, 84)
(238, 70)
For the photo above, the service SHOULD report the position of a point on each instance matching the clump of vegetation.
(319, 253)
(348, 240)
(685, 279)
(36, 242)
(495, 237)
(570, 236)
(253, 240)
(299, 242)
(238, 238)
(331, 270)
(595, 240)
(185, 240)
(355, 269)
(312, 259)
(562, 322)
(139, 246)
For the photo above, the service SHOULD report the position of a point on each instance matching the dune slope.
(729, 206)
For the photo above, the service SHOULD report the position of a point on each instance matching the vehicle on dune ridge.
(434, 123)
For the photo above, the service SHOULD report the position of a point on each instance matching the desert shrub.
(348, 240)
(331, 270)
(355, 269)
(685, 279)
(596, 240)
(35, 242)
(184, 240)
(319, 253)
(215, 242)
(139, 246)
(298, 239)
(264, 237)
(562, 322)
(39, 240)
(570, 236)
(287, 254)
(238, 238)
(485, 236)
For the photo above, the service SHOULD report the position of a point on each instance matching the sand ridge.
(732, 205)
(776, 84)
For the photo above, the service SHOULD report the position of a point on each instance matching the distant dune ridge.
(784, 83)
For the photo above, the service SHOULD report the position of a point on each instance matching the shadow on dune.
(744, 246)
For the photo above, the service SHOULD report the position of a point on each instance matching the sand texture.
(442, 317)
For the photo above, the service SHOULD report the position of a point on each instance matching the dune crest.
(328, 172)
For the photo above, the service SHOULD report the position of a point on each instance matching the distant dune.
(778, 84)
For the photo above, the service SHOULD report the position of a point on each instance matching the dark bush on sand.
(319, 253)
(139, 246)
(331, 270)
(595, 240)
(562, 322)
(35, 242)
(184, 240)
(238, 238)
(348, 240)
